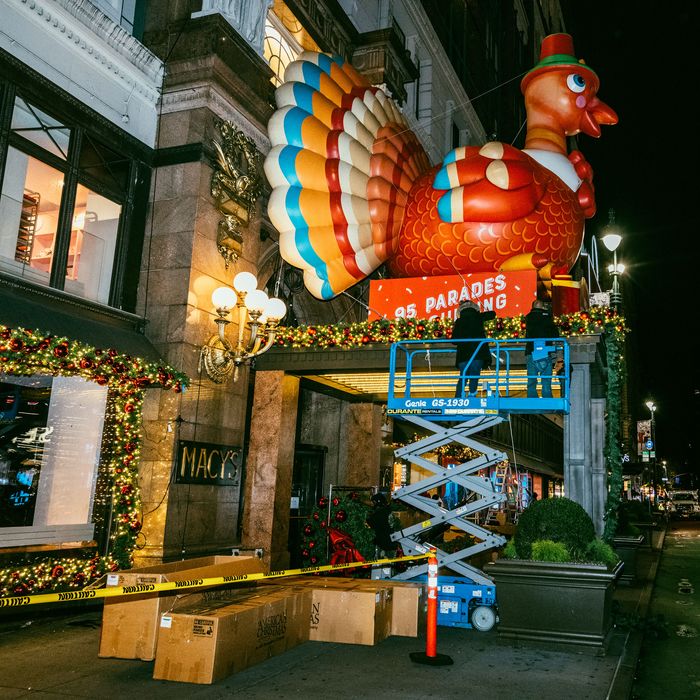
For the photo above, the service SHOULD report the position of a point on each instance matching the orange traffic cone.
(431, 655)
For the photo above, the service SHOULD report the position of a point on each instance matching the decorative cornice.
(130, 62)
(196, 96)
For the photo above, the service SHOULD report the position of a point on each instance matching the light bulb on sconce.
(257, 313)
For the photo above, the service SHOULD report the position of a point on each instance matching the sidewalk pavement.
(56, 657)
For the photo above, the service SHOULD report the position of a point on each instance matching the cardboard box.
(206, 642)
(409, 605)
(342, 612)
(349, 615)
(130, 624)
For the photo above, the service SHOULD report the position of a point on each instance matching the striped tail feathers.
(341, 165)
(493, 183)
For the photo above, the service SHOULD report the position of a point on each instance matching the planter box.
(626, 548)
(553, 602)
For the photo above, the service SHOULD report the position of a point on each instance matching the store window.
(92, 245)
(50, 437)
(61, 204)
(29, 206)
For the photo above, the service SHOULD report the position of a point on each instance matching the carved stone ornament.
(235, 185)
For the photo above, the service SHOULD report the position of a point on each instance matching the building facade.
(130, 155)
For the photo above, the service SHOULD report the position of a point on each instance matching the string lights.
(26, 352)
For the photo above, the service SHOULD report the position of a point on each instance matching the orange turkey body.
(428, 246)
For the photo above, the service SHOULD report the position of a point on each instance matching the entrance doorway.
(307, 486)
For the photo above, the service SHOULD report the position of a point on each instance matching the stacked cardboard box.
(345, 613)
(409, 605)
(130, 624)
(206, 641)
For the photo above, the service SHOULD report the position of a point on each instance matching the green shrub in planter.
(599, 551)
(509, 551)
(546, 550)
(556, 519)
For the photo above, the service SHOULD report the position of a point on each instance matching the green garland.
(384, 331)
(26, 352)
(612, 451)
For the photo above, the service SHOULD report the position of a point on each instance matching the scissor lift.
(422, 391)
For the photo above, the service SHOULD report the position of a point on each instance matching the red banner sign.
(506, 293)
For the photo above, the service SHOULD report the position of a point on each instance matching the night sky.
(646, 55)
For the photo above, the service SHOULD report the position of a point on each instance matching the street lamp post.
(652, 409)
(611, 240)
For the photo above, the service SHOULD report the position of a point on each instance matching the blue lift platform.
(424, 391)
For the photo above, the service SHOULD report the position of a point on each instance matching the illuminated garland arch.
(384, 331)
(26, 352)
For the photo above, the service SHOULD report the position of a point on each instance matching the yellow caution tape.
(141, 588)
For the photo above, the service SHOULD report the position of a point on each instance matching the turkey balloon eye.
(576, 82)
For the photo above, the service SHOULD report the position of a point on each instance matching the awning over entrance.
(22, 306)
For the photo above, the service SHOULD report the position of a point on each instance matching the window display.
(50, 437)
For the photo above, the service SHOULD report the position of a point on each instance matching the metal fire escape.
(422, 391)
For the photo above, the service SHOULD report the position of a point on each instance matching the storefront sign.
(207, 463)
(506, 293)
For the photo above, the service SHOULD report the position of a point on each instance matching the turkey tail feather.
(341, 164)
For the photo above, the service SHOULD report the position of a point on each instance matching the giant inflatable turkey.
(352, 188)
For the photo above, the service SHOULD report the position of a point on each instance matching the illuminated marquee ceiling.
(363, 374)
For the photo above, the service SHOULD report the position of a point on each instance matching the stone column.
(584, 432)
(599, 475)
(361, 442)
(269, 466)
(577, 437)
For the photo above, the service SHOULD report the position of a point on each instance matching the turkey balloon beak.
(597, 113)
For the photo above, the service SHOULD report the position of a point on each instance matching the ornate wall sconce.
(235, 185)
(257, 313)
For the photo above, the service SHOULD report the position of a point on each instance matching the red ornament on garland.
(61, 350)
(308, 529)
(341, 516)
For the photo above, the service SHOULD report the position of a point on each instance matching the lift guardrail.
(423, 380)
